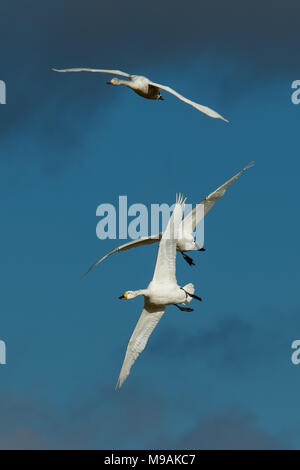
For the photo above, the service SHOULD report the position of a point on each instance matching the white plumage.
(146, 88)
(163, 290)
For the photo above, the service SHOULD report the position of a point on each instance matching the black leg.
(184, 309)
(188, 259)
(191, 295)
(195, 297)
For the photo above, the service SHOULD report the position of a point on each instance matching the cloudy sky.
(222, 376)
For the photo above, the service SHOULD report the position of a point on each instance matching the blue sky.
(219, 377)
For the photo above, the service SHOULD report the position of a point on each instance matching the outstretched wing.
(148, 320)
(199, 107)
(165, 268)
(82, 69)
(200, 210)
(127, 246)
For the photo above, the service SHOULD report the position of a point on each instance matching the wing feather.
(83, 69)
(200, 210)
(127, 246)
(204, 109)
(148, 320)
(165, 268)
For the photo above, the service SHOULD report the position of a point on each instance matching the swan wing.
(199, 107)
(165, 268)
(200, 210)
(148, 320)
(82, 69)
(127, 246)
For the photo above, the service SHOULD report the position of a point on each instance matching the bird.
(186, 242)
(145, 88)
(163, 290)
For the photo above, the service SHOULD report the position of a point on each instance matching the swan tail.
(190, 289)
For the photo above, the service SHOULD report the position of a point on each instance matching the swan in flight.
(145, 88)
(163, 290)
(186, 242)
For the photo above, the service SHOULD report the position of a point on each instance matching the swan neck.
(140, 292)
(125, 83)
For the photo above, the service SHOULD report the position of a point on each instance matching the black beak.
(202, 249)
(122, 297)
(108, 83)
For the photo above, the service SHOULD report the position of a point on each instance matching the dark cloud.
(94, 29)
(125, 419)
(137, 414)
(106, 417)
(232, 431)
(23, 422)
(233, 343)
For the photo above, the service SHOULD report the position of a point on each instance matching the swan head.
(128, 295)
(114, 81)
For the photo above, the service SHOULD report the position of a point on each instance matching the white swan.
(163, 290)
(145, 88)
(186, 242)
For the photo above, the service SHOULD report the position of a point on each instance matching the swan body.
(145, 88)
(140, 85)
(160, 294)
(186, 241)
(163, 290)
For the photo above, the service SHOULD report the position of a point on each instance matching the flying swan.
(186, 242)
(145, 88)
(163, 290)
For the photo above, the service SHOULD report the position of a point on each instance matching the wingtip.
(249, 165)
(118, 384)
(224, 119)
(86, 273)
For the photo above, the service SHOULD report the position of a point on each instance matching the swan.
(145, 88)
(163, 290)
(186, 242)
